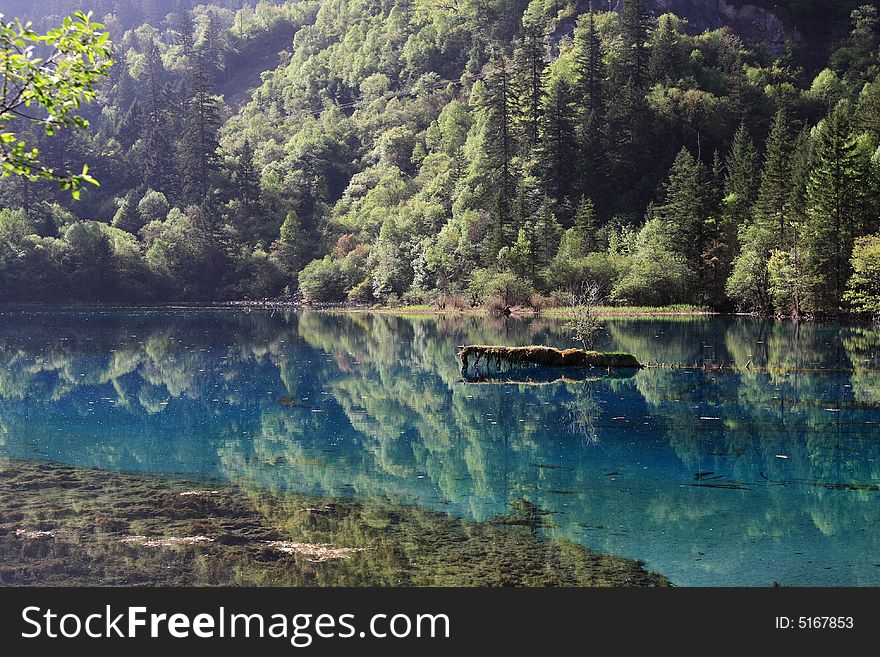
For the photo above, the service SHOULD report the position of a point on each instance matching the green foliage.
(837, 171)
(863, 288)
(152, 207)
(741, 183)
(330, 279)
(389, 152)
(257, 276)
(510, 289)
(172, 252)
(128, 217)
(749, 283)
(787, 282)
(658, 273)
(48, 90)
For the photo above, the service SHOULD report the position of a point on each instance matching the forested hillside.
(462, 152)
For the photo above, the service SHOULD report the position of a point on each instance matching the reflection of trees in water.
(862, 345)
(583, 412)
(378, 409)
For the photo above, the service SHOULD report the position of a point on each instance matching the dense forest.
(461, 152)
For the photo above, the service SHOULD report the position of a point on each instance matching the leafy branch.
(48, 90)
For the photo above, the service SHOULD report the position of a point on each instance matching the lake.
(710, 476)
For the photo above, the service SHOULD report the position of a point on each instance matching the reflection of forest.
(374, 407)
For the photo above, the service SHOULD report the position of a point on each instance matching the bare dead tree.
(584, 323)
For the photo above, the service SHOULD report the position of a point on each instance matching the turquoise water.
(711, 477)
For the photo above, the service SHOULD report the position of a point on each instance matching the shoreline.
(516, 312)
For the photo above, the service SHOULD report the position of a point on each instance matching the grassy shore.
(525, 311)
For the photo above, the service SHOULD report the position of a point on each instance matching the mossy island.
(542, 355)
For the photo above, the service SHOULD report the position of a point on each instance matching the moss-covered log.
(541, 355)
(545, 376)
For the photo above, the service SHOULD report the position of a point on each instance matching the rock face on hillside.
(751, 22)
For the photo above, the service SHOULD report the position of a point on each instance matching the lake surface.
(712, 477)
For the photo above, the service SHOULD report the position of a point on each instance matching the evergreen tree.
(155, 70)
(158, 165)
(247, 181)
(715, 193)
(590, 74)
(127, 217)
(499, 142)
(585, 227)
(859, 59)
(666, 61)
(212, 246)
(530, 61)
(589, 65)
(635, 23)
(867, 115)
(199, 141)
(290, 250)
(741, 181)
(627, 153)
(770, 271)
(210, 45)
(831, 201)
(626, 136)
(775, 189)
(683, 208)
(184, 29)
(557, 149)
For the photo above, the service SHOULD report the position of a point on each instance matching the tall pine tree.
(590, 80)
(499, 142)
(775, 190)
(199, 141)
(635, 22)
(683, 208)
(741, 181)
(557, 149)
(831, 204)
(530, 61)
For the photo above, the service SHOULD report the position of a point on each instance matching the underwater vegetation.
(62, 525)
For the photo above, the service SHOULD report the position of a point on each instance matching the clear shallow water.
(711, 478)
